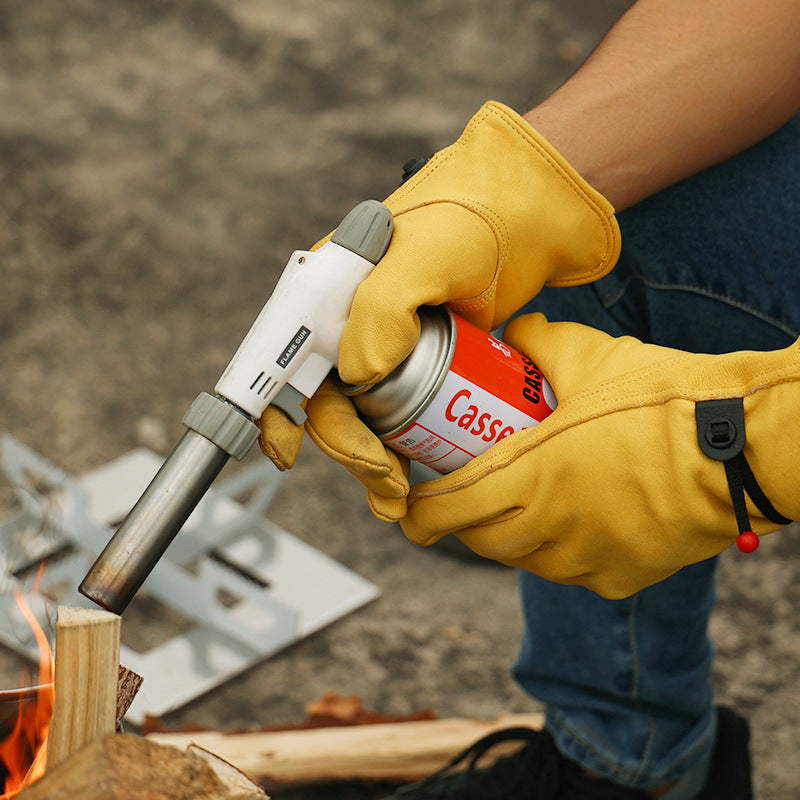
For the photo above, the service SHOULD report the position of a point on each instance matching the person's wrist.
(581, 143)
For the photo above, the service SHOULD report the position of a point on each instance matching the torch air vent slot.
(263, 389)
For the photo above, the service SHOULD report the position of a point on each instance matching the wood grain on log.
(403, 751)
(87, 672)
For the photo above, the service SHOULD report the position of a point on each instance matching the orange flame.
(24, 750)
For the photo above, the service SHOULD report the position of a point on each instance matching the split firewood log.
(400, 751)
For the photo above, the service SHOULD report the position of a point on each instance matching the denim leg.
(626, 682)
(710, 265)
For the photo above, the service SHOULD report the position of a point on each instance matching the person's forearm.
(676, 86)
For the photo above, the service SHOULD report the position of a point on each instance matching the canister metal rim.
(368, 400)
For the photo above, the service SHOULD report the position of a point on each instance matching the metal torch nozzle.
(166, 504)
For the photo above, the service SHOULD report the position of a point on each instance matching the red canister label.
(490, 391)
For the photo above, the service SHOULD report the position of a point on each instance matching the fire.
(24, 750)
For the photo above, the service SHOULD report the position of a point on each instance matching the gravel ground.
(158, 163)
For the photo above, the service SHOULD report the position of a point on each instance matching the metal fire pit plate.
(242, 586)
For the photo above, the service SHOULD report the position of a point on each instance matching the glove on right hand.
(482, 227)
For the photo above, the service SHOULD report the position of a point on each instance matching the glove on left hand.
(612, 490)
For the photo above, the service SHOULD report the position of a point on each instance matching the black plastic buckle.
(720, 427)
(721, 436)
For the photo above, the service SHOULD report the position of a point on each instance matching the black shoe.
(730, 775)
(537, 771)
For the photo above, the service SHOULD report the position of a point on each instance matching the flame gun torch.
(285, 356)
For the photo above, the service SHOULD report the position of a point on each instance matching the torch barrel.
(154, 522)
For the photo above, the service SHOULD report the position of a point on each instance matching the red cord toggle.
(747, 541)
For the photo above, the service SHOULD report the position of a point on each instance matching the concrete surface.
(158, 163)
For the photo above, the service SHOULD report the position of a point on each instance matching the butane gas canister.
(458, 392)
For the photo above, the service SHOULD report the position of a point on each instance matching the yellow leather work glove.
(482, 226)
(612, 491)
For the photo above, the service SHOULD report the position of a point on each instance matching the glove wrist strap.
(721, 436)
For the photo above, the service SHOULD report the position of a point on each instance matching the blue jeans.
(709, 265)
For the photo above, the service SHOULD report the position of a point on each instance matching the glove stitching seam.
(341, 458)
(759, 380)
(783, 372)
(443, 156)
(271, 452)
(500, 234)
(644, 402)
(530, 138)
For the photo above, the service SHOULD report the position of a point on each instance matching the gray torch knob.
(366, 230)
